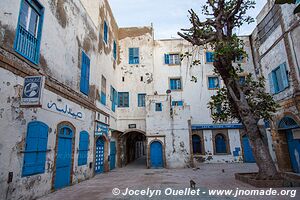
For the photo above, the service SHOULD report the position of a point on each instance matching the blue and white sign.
(32, 90)
(101, 129)
(216, 126)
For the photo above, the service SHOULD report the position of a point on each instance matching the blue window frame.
(210, 57)
(220, 144)
(35, 148)
(105, 32)
(83, 148)
(134, 57)
(113, 98)
(177, 103)
(175, 84)
(172, 59)
(123, 99)
(115, 50)
(103, 91)
(278, 79)
(196, 144)
(29, 30)
(141, 100)
(85, 74)
(158, 107)
(213, 82)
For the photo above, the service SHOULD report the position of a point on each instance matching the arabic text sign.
(65, 110)
(101, 129)
(32, 90)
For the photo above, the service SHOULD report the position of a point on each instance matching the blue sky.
(167, 16)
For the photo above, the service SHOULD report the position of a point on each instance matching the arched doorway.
(99, 160)
(133, 148)
(248, 154)
(156, 155)
(291, 129)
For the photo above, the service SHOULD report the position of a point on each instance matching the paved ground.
(137, 177)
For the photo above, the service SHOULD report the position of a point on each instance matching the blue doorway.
(248, 154)
(156, 155)
(99, 161)
(112, 160)
(294, 151)
(64, 157)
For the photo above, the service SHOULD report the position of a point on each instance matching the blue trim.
(216, 126)
(105, 34)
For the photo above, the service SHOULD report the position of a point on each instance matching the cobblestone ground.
(209, 176)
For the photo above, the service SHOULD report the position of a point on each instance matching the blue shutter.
(83, 148)
(211, 83)
(105, 31)
(172, 84)
(284, 75)
(167, 59)
(271, 82)
(209, 57)
(85, 74)
(115, 50)
(131, 56)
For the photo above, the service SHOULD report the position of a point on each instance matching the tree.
(245, 101)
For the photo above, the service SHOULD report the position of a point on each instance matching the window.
(134, 57)
(242, 80)
(103, 90)
(209, 57)
(213, 83)
(29, 30)
(105, 34)
(123, 78)
(115, 50)
(172, 59)
(197, 149)
(85, 74)
(142, 78)
(35, 148)
(158, 107)
(141, 100)
(113, 98)
(175, 84)
(177, 103)
(123, 99)
(220, 144)
(83, 148)
(278, 79)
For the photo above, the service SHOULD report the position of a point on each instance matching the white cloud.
(167, 16)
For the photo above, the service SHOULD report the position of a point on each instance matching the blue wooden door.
(156, 155)
(99, 161)
(294, 151)
(112, 155)
(64, 158)
(248, 154)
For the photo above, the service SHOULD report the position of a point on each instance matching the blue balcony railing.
(27, 45)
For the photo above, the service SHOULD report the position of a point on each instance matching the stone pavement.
(135, 176)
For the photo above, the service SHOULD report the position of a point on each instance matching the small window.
(158, 107)
(83, 148)
(134, 57)
(220, 143)
(123, 78)
(103, 90)
(85, 74)
(142, 78)
(213, 83)
(105, 34)
(141, 100)
(172, 59)
(177, 103)
(197, 149)
(210, 57)
(35, 148)
(29, 30)
(115, 50)
(242, 80)
(175, 84)
(278, 79)
(123, 99)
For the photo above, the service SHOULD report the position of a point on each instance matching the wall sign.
(65, 110)
(132, 126)
(32, 90)
(217, 126)
(101, 129)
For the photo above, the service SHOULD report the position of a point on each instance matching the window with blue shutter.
(158, 107)
(85, 74)
(105, 33)
(209, 57)
(242, 80)
(220, 144)
(213, 83)
(83, 148)
(172, 59)
(115, 50)
(278, 79)
(167, 59)
(103, 91)
(134, 57)
(123, 99)
(177, 103)
(141, 100)
(35, 148)
(175, 84)
(29, 30)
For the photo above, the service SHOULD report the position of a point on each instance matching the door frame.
(58, 127)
